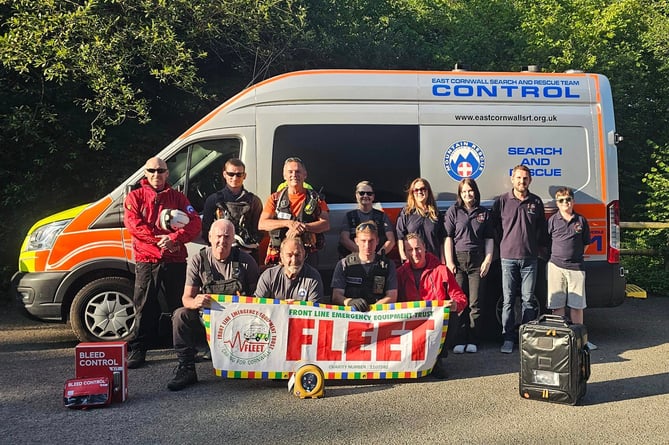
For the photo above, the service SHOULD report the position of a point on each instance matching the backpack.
(236, 213)
(230, 286)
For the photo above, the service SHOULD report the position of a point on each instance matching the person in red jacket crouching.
(424, 277)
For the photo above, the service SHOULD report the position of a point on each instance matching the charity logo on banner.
(258, 338)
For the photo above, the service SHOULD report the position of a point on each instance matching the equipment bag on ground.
(554, 360)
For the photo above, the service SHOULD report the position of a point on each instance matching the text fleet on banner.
(259, 338)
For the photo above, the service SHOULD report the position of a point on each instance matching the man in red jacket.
(424, 277)
(159, 250)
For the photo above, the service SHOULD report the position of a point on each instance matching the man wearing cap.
(364, 277)
(159, 251)
(295, 212)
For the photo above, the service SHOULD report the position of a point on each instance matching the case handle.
(556, 319)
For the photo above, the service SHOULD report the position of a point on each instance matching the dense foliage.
(90, 88)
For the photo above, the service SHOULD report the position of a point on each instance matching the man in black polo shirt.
(520, 216)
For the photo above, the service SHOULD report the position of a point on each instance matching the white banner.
(261, 338)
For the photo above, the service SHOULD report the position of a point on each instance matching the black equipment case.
(554, 360)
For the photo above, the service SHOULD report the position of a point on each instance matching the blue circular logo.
(464, 159)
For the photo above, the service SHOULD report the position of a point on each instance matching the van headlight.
(43, 237)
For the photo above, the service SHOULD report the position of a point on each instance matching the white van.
(387, 127)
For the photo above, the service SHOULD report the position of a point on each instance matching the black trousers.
(188, 333)
(158, 290)
(468, 326)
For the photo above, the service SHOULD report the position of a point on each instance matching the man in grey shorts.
(569, 233)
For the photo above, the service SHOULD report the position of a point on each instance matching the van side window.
(339, 156)
(196, 168)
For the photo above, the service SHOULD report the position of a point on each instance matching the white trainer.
(471, 348)
(458, 349)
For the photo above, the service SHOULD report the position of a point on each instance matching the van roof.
(411, 86)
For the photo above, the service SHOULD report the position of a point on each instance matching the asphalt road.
(626, 402)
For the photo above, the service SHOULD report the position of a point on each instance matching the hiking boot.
(136, 358)
(184, 375)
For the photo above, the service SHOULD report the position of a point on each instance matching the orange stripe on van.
(89, 215)
(596, 216)
(73, 249)
(234, 98)
(601, 136)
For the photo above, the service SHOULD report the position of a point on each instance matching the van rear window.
(337, 157)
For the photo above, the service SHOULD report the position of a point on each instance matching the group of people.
(444, 256)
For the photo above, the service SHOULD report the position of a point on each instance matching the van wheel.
(103, 310)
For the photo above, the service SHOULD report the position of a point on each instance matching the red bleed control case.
(106, 359)
(87, 393)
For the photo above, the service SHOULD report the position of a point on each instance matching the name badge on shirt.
(379, 284)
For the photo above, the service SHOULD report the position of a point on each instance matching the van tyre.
(103, 310)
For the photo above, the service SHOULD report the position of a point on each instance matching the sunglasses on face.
(365, 193)
(419, 190)
(370, 225)
(160, 171)
(294, 159)
(233, 174)
(563, 200)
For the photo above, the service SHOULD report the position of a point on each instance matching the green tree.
(80, 76)
(612, 38)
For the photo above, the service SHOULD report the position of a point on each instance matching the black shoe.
(185, 375)
(136, 358)
(439, 370)
(204, 357)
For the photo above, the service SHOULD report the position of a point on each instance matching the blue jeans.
(518, 280)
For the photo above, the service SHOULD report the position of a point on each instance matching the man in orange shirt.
(295, 212)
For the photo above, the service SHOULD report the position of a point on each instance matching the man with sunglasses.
(364, 195)
(569, 233)
(159, 252)
(364, 277)
(237, 205)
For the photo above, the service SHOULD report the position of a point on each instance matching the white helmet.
(172, 219)
(241, 242)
